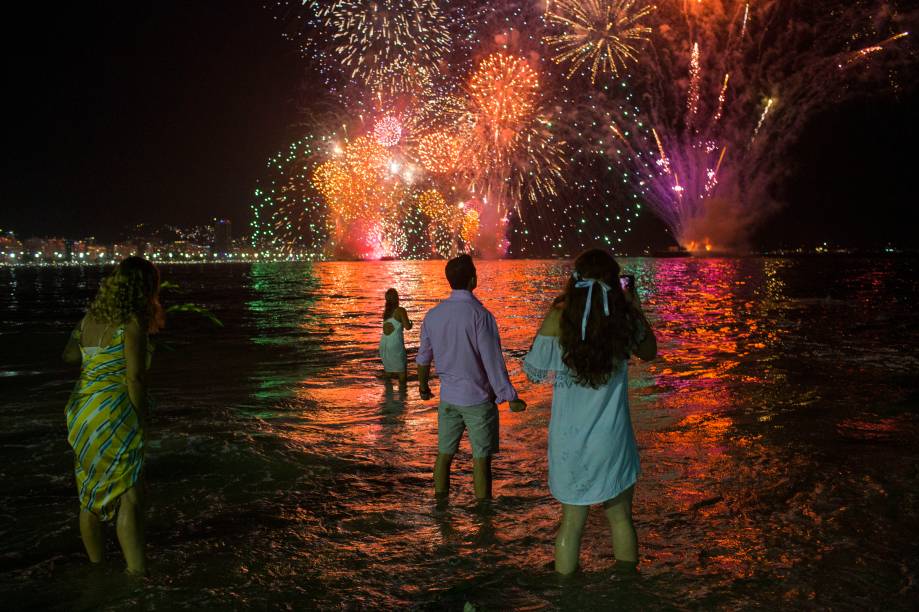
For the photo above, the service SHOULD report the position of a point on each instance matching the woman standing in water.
(583, 345)
(107, 411)
(392, 342)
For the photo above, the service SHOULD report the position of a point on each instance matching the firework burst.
(288, 214)
(602, 35)
(388, 131)
(723, 96)
(503, 89)
(390, 45)
(439, 152)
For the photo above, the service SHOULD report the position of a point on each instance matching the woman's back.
(592, 450)
(102, 350)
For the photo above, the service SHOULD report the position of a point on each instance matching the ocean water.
(778, 432)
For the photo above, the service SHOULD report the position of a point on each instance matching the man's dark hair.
(459, 271)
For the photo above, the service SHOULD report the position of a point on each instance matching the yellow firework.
(470, 230)
(433, 204)
(601, 34)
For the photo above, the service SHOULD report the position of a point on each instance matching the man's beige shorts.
(481, 421)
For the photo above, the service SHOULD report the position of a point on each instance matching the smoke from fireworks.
(725, 90)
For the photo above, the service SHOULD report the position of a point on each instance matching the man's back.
(461, 337)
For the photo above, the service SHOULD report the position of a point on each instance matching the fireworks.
(601, 34)
(443, 218)
(433, 204)
(470, 229)
(509, 152)
(288, 214)
(388, 131)
(715, 93)
(438, 152)
(366, 157)
(503, 89)
(704, 154)
(391, 45)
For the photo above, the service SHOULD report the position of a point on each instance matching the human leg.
(450, 428)
(130, 530)
(442, 474)
(91, 532)
(482, 423)
(619, 514)
(481, 477)
(568, 540)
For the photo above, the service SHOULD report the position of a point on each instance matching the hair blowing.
(131, 290)
(607, 341)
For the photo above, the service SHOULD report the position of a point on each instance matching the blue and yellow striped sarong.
(103, 429)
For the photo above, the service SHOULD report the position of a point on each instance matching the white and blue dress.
(392, 347)
(593, 456)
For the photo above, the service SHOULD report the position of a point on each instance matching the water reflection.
(777, 422)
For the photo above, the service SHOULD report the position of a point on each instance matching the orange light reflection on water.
(681, 403)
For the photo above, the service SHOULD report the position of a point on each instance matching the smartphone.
(627, 281)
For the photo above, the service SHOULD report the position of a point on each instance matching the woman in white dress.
(392, 342)
(582, 348)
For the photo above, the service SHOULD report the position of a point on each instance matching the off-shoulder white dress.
(392, 347)
(592, 451)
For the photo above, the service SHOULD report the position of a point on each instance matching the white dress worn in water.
(392, 348)
(593, 456)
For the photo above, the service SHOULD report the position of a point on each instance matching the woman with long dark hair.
(392, 342)
(582, 347)
(107, 411)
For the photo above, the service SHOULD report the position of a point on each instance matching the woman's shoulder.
(551, 324)
(133, 325)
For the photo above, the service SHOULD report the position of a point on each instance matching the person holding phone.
(582, 347)
(461, 337)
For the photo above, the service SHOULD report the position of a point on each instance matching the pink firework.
(388, 131)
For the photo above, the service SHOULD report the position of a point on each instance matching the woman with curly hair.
(582, 347)
(107, 411)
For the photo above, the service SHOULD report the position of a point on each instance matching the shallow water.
(778, 434)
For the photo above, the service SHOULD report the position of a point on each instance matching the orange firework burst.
(504, 88)
(470, 230)
(331, 179)
(433, 204)
(358, 186)
(366, 157)
(438, 152)
(603, 34)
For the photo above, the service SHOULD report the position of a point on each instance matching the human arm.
(646, 349)
(550, 325)
(135, 355)
(424, 373)
(402, 315)
(72, 354)
(423, 360)
(489, 344)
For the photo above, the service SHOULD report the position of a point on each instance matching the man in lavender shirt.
(461, 336)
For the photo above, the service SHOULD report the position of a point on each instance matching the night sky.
(165, 112)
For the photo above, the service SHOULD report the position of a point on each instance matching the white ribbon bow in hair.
(588, 283)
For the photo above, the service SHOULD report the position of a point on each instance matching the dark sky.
(122, 112)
